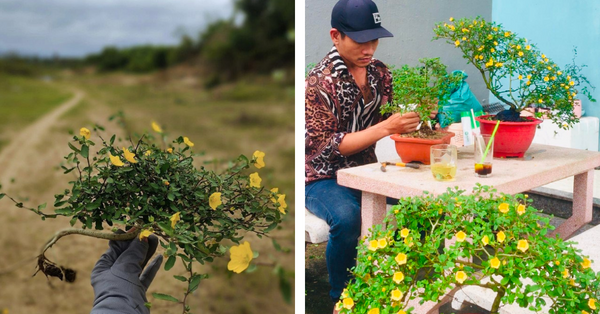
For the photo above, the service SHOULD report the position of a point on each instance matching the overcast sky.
(80, 27)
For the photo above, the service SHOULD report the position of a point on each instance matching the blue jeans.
(340, 207)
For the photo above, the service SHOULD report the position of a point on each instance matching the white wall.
(412, 23)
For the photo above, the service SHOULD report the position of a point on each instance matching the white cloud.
(78, 27)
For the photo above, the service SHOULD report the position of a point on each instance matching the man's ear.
(335, 36)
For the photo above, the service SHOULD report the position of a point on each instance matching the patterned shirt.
(335, 106)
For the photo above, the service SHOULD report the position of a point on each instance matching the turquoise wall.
(557, 26)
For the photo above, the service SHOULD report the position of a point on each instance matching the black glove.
(119, 284)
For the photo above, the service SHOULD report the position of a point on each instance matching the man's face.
(354, 54)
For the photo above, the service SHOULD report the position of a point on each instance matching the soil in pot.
(415, 149)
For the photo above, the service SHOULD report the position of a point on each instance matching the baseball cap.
(359, 19)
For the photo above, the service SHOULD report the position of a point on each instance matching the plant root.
(48, 268)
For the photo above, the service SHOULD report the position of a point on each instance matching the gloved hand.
(119, 284)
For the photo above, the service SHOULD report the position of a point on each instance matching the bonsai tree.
(420, 89)
(515, 71)
(498, 236)
(147, 187)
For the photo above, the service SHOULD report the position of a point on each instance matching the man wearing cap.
(343, 96)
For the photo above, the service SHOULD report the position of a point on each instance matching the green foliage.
(418, 227)
(260, 44)
(503, 59)
(419, 88)
(136, 59)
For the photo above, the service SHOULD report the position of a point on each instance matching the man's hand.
(119, 283)
(402, 123)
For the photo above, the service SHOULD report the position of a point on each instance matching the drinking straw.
(487, 149)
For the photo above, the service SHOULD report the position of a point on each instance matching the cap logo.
(377, 18)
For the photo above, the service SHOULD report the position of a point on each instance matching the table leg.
(373, 211)
(583, 197)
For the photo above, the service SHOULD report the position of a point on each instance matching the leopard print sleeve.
(322, 134)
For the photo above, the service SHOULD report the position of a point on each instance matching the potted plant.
(151, 186)
(404, 258)
(420, 89)
(519, 76)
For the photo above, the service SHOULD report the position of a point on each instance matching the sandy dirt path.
(13, 155)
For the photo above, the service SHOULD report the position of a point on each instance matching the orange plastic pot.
(417, 149)
(512, 138)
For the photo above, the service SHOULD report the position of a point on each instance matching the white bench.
(588, 242)
(316, 230)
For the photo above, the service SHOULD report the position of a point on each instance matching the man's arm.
(355, 142)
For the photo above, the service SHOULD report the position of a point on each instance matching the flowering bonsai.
(155, 188)
(515, 71)
(405, 258)
(420, 89)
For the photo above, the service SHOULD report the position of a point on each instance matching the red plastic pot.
(417, 149)
(512, 138)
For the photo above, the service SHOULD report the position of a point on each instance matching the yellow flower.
(214, 200)
(528, 82)
(396, 295)
(520, 77)
(485, 240)
(404, 232)
(522, 245)
(373, 245)
(489, 63)
(115, 160)
(348, 303)
(540, 101)
(521, 209)
(338, 306)
(499, 64)
(501, 236)
(495, 43)
(457, 43)
(401, 312)
(187, 141)
(166, 182)
(258, 155)
(565, 273)
(174, 219)
(557, 263)
(282, 203)
(170, 150)
(241, 256)
(144, 234)
(506, 34)
(129, 155)
(147, 153)
(85, 133)
(495, 263)
(529, 76)
(528, 47)
(503, 208)
(592, 304)
(408, 241)
(400, 258)
(451, 27)
(546, 79)
(571, 83)
(460, 276)
(519, 47)
(461, 236)
(255, 180)
(586, 263)
(381, 243)
(373, 311)
(465, 30)
(559, 72)
(398, 277)
(464, 38)
(451, 19)
(156, 127)
(492, 50)
(490, 37)
(584, 312)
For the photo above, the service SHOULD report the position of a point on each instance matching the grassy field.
(238, 118)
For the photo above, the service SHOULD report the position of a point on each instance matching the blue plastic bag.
(461, 99)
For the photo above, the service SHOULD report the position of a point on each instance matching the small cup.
(483, 166)
(444, 159)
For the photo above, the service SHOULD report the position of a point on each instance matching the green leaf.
(2, 195)
(112, 139)
(75, 149)
(285, 287)
(85, 151)
(64, 211)
(195, 282)
(171, 196)
(166, 297)
(180, 278)
(170, 262)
